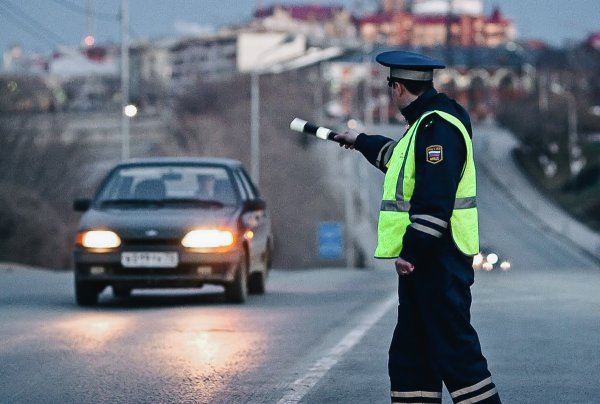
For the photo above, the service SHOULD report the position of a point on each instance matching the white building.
(205, 58)
(259, 50)
(68, 63)
(443, 7)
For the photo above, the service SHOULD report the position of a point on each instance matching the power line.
(101, 16)
(33, 27)
(81, 10)
(26, 26)
(16, 11)
(30, 32)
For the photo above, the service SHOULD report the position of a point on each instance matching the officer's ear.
(398, 88)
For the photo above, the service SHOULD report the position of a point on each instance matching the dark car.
(173, 222)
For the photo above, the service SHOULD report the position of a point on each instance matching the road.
(317, 336)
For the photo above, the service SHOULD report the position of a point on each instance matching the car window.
(240, 185)
(170, 182)
(247, 189)
(252, 190)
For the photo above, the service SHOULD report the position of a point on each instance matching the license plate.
(149, 259)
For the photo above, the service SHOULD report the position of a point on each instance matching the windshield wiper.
(163, 202)
(119, 202)
(194, 201)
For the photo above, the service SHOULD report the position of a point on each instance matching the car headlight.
(207, 238)
(99, 239)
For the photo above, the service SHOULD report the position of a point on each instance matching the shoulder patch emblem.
(434, 154)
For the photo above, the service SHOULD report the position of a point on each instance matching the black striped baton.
(300, 125)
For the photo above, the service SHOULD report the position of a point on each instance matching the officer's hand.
(348, 137)
(404, 267)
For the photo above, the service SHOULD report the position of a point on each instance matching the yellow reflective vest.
(398, 188)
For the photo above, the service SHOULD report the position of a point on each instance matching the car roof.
(181, 160)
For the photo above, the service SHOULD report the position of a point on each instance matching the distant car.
(173, 222)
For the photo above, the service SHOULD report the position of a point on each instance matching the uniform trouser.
(434, 340)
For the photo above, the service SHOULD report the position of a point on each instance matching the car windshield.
(166, 185)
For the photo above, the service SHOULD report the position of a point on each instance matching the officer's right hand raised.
(347, 138)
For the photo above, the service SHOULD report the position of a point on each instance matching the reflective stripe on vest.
(398, 188)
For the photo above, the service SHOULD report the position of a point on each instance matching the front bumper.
(194, 269)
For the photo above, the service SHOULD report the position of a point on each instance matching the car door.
(260, 223)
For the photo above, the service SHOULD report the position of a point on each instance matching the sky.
(41, 25)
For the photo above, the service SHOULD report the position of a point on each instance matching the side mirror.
(254, 204)
(81, 205)
(253, 213)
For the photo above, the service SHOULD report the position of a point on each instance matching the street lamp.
(124, 79)
(130, 111)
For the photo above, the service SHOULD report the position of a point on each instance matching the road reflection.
(195, 351)
(207, 351)
(213, 341)
(92, 331)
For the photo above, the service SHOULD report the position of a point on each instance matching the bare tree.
(40, 176)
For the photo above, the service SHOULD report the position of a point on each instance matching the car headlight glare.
(208, 238)
(100, 239)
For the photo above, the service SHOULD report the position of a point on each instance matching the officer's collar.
(416, 108)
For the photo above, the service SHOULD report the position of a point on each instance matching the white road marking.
(298, 389)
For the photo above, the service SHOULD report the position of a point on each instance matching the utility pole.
(254, 126)
(449, 36)
(368, 103)
(576, 161)
(542, 92)
(90, 25)
(124, 78)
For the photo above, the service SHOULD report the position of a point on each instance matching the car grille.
(131, 242)
(182, 269)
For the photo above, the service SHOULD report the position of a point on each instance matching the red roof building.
(408, 29)
(594, 40)
(301, 12)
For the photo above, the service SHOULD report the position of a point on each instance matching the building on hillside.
(89, 77)
(480, 78)
(14, 60)
(593, 40)
(316, 22)
(390, 6)
(433, 24)
(149, 73)
(442, 7)
(263, 50)
(68, 63)
(206, 58)
(381, 27)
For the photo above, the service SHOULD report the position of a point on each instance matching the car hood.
(157, 223)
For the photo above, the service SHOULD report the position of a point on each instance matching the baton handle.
(302, 126)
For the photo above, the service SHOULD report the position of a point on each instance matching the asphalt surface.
(185, 346)
(317, 336)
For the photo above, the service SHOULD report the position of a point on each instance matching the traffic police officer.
(428, 224)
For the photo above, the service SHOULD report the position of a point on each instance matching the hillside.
(43, 172)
